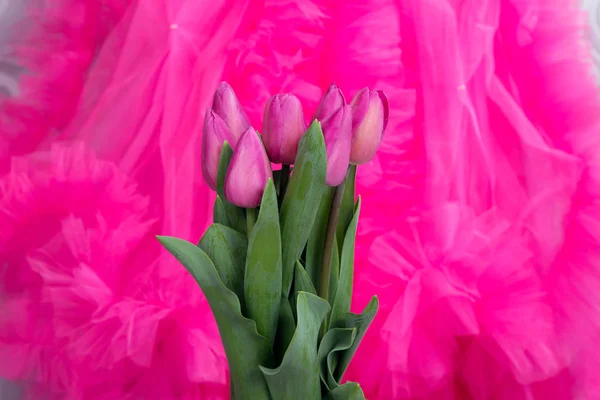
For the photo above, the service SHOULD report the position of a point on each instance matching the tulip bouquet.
(277, 264)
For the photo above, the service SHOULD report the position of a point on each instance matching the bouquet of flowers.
(277, 264)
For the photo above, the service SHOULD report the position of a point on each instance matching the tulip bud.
(227, 106)
(214, 135)
(370, 110)
(248, 171)
(332, 100)
(337, 131)
(283, 126)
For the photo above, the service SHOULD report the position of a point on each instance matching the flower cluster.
(277, 264)
(352, 135)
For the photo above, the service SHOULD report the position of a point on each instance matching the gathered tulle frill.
(488, 272)
(479, 231)
(85, 314)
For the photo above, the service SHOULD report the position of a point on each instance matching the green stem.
(334, 215)
(250, 219)
(283, 181)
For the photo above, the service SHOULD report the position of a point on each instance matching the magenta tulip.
(227, 106)
(337, 130)
(248, 171)
(370, 110)
(214, 135)
(283, 127)
(332, 100)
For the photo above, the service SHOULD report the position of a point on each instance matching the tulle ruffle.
(85, 314)
(486, 272)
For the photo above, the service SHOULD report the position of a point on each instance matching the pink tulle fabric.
(480, 230)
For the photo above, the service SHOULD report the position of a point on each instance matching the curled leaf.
(298, 375)
(348, 391)
(335, 341)
(359, 321)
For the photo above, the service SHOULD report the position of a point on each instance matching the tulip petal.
(283, 127)
(370, 112)
(337, 130)
(215, 133)
(332, 100)
(228, 107)
(272, 129)
(229, 214)
(248, 171)
(360, 106)
(386, 107)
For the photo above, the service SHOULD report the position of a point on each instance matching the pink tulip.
(214, 135)
(337, 130)
(227, 106)
(370, 110)
(332, 100)
(248, 172)
(283, 127)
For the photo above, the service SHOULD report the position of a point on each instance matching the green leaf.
(219, 212)
(316, 241)
(343, 294)
(235, 216)
(301, 200)
(263, 277)
(244, 347)
(298, 375)
(359, 321)
(224, 160)
(301, 283)
(347, 206)
(348, 391)
(335, 272)
(334, 341)
(286, 327)
(227, 250)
